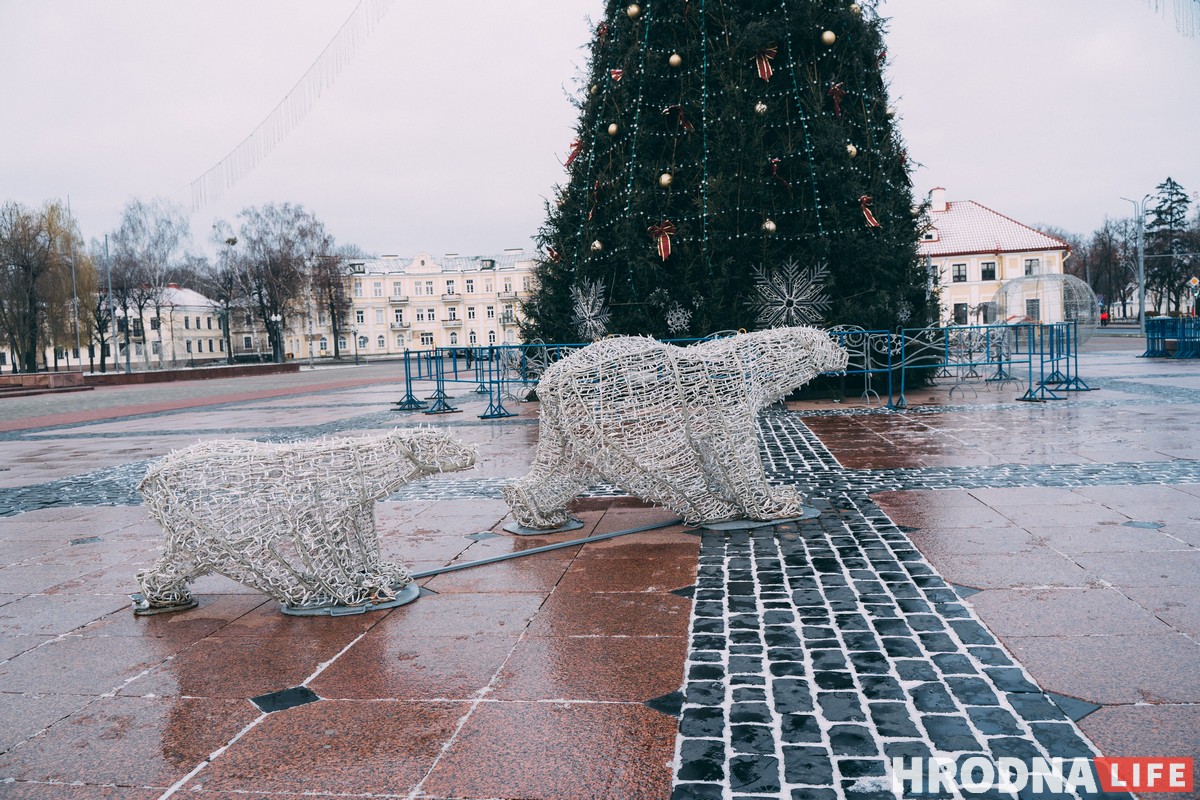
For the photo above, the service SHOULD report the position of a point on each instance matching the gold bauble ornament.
(760, 107)
(891, 111)
(856, 9)
(613, 129)
(675, 60)
(829, 37)
(633, 10)
(665, 179)
(769, 226)
(593, 89)
(851, 150)
(596, 246)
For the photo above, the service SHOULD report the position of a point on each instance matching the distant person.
(1104, 318)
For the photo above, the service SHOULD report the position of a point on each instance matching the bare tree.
(275, 247)
(33, 248)
(328, 277)
(147, 252)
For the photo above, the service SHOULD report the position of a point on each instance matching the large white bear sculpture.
(294, 520)
(672, 425)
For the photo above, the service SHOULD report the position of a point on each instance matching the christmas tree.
(736, 165)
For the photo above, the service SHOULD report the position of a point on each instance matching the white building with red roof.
(975, 249)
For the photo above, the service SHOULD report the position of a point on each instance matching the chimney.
(937, 199)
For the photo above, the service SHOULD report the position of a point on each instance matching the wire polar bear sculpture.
(295, 520)
(672, 425)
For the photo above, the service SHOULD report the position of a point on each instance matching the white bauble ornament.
(675, 60)
(613, 129)
(856, 9)
(851, 150)
(596, 246)
(760, 107)
(829, 37)
(593, 89)
(769, 226)
(633, 10)
(665, 179)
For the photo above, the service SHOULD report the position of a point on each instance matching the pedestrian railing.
(1043, 360)
(1181, 332)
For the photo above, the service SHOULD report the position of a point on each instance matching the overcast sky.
(449, 127)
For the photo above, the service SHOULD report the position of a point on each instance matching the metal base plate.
(807, 512)
(142, 607)
(521, 530)
(405, 596)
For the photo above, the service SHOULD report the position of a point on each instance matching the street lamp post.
(1140, 211)
(276, 344)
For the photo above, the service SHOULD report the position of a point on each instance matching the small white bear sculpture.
(671, 425)
(294, 520)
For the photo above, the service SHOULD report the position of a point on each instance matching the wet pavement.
(986, 577)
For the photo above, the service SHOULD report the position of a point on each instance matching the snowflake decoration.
(790, 295)
(904, 311)
(678, 319)
(591, 312)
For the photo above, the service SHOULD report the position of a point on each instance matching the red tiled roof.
(968, 227)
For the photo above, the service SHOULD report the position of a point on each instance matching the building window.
(208, 322)
(509, 337)
(396, 292)
(323, 345)
(363, 342)
(187, 322)
(491, 312)
(197, 323)
(420, 315)
(377, 289)
(341, 343)
(155, 323)
(399, 315)
(1033, 266)
(487, 287)
(491, 337)
(428, 288)
(470, 312)
(358, 288)
(431, 314)
(247, 343)
(249, 318)
(525, 283)
(321, 318)
(959, 273)
(155, 349)
(1033, 309)
(380, 343)
(360, 316)
(221, 345)
(470, 286)
(472, 338)
(379, 316)
(453, 337)
(426, 339)
(400, 340)
(188, 344)
(508, 284)
(960, 313)
(452, 313)
(449, 287)
(987, 271)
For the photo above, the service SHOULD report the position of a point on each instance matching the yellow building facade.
(974, 250)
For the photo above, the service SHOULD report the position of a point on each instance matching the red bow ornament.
(576, 149)
(616, 74)
(838, 94)
(863, 203)
(662, 234)
(763, 59)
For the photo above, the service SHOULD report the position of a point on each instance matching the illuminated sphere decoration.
(613, 129)
(675, 60)
(597, 246)
(769, 226)
(760, 107)
(665, 179)
(851, 150)
(633, 10)
(1048, 299)
(829, 37)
